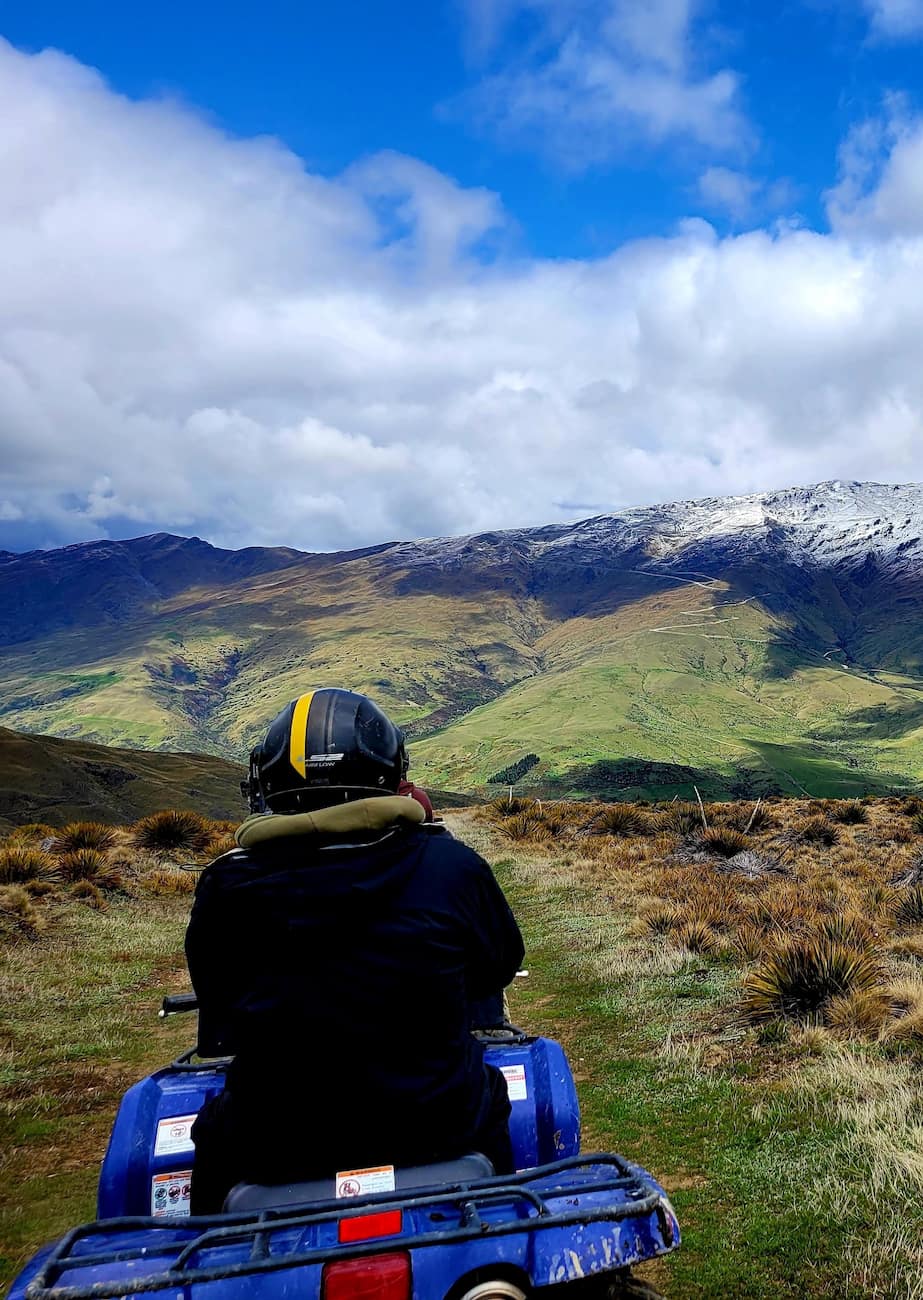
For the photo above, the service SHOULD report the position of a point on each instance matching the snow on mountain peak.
(832, 523)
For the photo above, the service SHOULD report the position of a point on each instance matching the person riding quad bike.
(338, 955)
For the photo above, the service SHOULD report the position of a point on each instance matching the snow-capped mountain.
(831, 524)
(763, 643)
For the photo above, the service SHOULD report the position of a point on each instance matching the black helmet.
(325, 745)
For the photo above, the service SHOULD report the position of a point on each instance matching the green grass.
(793, 1175)
(773, 1188)
(79, 1025)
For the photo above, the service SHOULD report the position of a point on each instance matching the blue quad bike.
(565, 1224)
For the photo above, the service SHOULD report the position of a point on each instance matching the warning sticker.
(515, 1076)
(174, 1135)
(170, 1195)
(360, 1182)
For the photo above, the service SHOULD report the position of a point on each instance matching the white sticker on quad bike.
(170, 1195)
(515, 1076)
(174, 1135)
(360, 1182)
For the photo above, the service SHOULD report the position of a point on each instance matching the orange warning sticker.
(170, 1195)
(361, 1182)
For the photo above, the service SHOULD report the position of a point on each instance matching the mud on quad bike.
(564, 1223)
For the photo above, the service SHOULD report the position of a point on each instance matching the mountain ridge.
(768, 640)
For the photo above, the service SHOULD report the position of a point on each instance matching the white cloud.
(896, 19)
(725, 190)
(197, 334)
(880, 186)
(600, 76)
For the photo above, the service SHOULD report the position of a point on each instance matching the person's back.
(336, 955)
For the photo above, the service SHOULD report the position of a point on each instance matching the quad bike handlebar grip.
(174, 1003)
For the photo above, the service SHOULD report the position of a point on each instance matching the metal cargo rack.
(639, 1197)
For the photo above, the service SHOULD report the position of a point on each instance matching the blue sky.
(453, 265)
(337, 81)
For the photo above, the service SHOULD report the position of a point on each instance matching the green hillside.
(620, 675)
(45, 779)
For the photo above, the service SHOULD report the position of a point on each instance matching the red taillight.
(380, 1277)
(366, 1226)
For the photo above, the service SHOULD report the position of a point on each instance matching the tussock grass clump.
(658, 918)
(696, 935)
(621, 819)
(90, 865)
(723, 841)
(172, 831)
(749, 818)
(848, 929)
(85, 835)
(906, 1030)
(20, 864)
(799, 979)
(850, 812)
(749, 941)
(900, 833)
(817, 830)
(905, 996)
(684, 818)
(909, 946)
(909, 907)
(84, 891)
(32, 833)
(858, 1015)
(526, 826)
(503, 806)
(164, 882)
(18, 917)
(916, 822)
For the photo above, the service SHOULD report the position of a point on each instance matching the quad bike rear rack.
(187, 1239)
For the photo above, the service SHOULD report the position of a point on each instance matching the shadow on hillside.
(793, 770)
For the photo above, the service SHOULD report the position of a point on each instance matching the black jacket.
(340, 977)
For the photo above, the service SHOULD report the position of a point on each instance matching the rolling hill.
(752, 644)
(46, 779)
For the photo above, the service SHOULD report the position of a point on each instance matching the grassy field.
(779, 1103)
(790, 1143)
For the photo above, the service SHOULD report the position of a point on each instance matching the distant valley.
(762, 644)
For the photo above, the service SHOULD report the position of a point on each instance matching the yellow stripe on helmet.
(297, 741)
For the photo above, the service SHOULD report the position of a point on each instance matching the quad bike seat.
(257, 1196)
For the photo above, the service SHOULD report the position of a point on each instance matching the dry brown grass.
(92, 866)
(622, 819)
(817, 829)
(19, 918)
(32, 833)
(909, 906)
(85, 835)
(803, 977)
(827, 892)
(86, 892)
(21, 864)
(163, 882)
(724, 841)
(171, 832)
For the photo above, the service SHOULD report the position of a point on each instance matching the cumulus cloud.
(596, 77)
(880, 185)
(198, 334)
